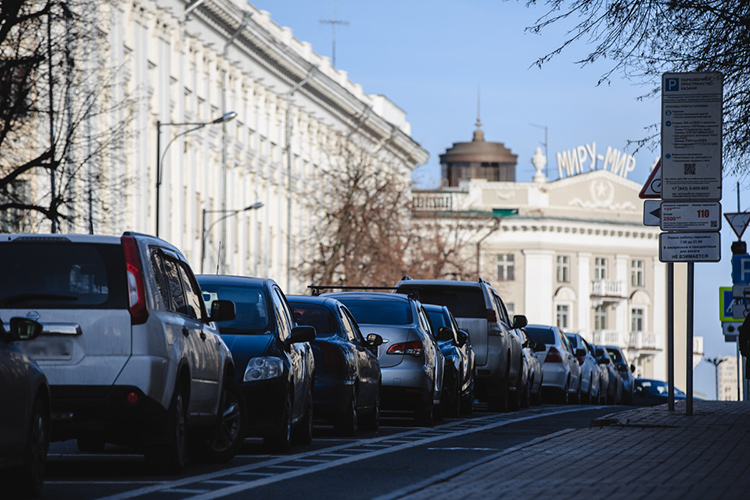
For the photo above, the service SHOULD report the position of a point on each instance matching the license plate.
(46, 349)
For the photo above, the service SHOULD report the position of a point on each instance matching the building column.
(538, 282)
(583, 318)
(622, 311)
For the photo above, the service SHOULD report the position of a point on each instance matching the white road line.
(183, 490)
(246, 470)
(218, 481)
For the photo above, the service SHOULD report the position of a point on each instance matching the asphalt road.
(383, 464)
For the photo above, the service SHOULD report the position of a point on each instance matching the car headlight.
(263, 368)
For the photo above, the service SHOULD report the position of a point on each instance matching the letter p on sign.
(672, 84)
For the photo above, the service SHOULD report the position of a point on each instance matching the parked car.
(130, 352)
(273, 355)
(411, 364)
(24, 411)
(534, 371)
(560, 366)
(480, 311)
(458, 386)
(611, 381)
(590, 372)
(625, 372)
(650, 392)
(346, 389)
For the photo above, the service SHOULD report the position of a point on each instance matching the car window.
(174, 286)
(543, 335)
(62, 275)
(160, 274)
(251, 307)
(614, 354)
(315, 315)
(352, 330)
(424, 322)
(501, 309)
(565, 342)
(463, 301)
(193, 302)
(379, 312)
(283, 315)
(437, 319)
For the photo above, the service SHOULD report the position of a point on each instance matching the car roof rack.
(317, 288)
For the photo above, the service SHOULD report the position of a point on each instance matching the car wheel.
(371, 421)
(515, 396)
(452, 397)
(565, 395)
(90, 444)
(27, 480)
(526, 394)
(467, 401)
(220, 443)
(281, 441)
(499, 400)
(347, 423)
(170, 458)
(302, 432)
(425, 416)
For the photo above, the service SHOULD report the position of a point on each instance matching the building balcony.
(607, 292)
(433, 201)
(609, 337)
(643, 341)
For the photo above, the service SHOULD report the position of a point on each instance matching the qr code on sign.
(690, 169)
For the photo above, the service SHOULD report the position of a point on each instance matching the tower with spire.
(477, 159)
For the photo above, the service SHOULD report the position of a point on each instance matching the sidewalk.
(638, 453)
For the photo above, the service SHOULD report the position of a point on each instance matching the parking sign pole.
(670, 333)
(689, 360)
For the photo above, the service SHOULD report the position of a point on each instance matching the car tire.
(498, 401)
(347, 423)
(514, 402)
(371, 421)
(467, 401)
(526, 395)
(565, 394)
(452, 397)
(27, 480)
(170, 458)
(302, 432)
(221, 442)
(425, 416)
(281, 441)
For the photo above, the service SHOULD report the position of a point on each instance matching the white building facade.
(292, 111)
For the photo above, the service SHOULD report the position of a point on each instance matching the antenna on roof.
(333, 22)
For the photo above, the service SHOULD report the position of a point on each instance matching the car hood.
(244, 347)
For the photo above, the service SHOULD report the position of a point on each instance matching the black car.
(24, 412)
(458, 385)
(273, 357)
(347, 371)
(650, 392)
(624, 371)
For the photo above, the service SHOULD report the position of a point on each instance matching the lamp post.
(160, 155)
(716, 362)
(229, 213)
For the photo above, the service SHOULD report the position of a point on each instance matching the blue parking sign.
(741, 269)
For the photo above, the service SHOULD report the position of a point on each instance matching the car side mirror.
(463, 338)
(374, 340)
(24, 329)
(632, 368)
(579, 353)
(222, 310)
(301, 333)
(519, 321)
(444, 333)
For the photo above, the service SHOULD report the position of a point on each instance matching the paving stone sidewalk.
(639, 453)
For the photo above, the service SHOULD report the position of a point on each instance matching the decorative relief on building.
(602, 194)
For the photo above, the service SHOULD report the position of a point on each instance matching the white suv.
(131, 354)
(480, 311)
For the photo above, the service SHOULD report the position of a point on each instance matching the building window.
(600, 268)
(636, 272)
(600, 318)
(563, 269)
(506, 267)
(563, 316)
(511, 308)
(636, 319)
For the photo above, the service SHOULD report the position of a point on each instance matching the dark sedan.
(347, 372)
(649, 392)
(273, 358)
(458, 379)
(24, 412)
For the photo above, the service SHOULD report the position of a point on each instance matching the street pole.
(229, 213)
(716, 362)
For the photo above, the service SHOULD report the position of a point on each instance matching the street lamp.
(716, 362)
(229, 213)
(160, 155)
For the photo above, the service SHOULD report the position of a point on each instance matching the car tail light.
(553, 356)
(414, 348)
(581, 360)
(332, 359)
(136, 290)
(491, 316)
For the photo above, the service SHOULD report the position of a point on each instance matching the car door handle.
(185, 331)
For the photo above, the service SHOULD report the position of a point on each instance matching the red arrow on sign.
(652, 187)
(738, 221)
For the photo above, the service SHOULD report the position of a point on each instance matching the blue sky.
(431, 57)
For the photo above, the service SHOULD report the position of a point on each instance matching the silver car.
(130, 352)
(590, 369)
(560, 366)
(411, 363)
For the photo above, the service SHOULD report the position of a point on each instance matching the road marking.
(458, 448)
(480, 424)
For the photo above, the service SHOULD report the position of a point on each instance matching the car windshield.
(379, 312)
(463, 301)
(438, 319)
(615, 355)
(543, 335)
(659, 388)
(315, 315)
(62, 275)
(251, 306)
